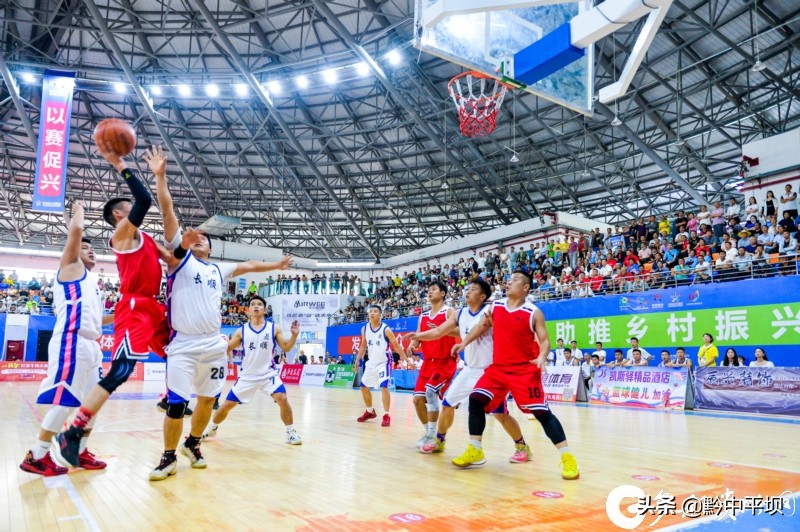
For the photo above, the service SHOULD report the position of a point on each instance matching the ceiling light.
(241, 89)
(585, 173)
(274, 87)
(362, 69)
(212, 91)
(27, 77)
(281, 209)
(184, 90)
(758, 66)
(445, 186)
(302, 82)
(155, 90)
(616, 122)
(514, 158)
(394, 57)
(509, 198)
(120, 88)
(678, 142)
(330, 75)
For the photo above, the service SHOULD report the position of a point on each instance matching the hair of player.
(258, 298)
(86, 240)
(484, 286)
(637, 351)
(440, 285)
(375, 305)
(527, 276)
(108, 210)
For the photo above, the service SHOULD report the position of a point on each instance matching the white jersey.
(194, 295)
(258, 347)
(78, 307)
(478, 354)
(377, 344)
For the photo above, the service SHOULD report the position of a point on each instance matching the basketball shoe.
(521, 455)
(471, 457)
(66, 446)
(366, 416)
(292, 438)
(43, 466)
(569, 467)
(194, 455)
(210, 432)
(167, 467)
(437, 446)
(386, 421)
(87, 460)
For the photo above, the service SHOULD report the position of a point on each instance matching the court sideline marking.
(63, 481)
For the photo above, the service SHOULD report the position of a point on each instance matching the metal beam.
(11, 85)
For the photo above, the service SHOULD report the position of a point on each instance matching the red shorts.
(140, 326)
(523, 381)
(437, 374)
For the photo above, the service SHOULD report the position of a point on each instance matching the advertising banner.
(312, 311)
(744, 389)
(291, 373)
(50, 180)
(561, 383)
(340, 376)
(643, 387)
(346, 339)
(155, 371)
(314, 375)
(19, 371)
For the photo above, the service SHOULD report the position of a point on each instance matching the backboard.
(473, 34)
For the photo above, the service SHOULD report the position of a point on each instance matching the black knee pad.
(478, 402)
(542, 416)
(176, 410)
(121, 369)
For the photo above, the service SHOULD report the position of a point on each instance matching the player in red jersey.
(438, 365)
(140, 324)
(517, 366)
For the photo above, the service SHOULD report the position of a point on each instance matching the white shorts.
(246, 387)
(376, 375)
(462, 386)
(196, 363)
(74, 365)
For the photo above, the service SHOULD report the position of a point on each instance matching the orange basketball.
(115, 135)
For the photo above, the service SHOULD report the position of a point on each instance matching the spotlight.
(514, 158)
(362, 69)
(585, 173)
(330, 76)
(758, 66)
(302, 82)
(184, 90)
(616, 122)
(27, 77)
(155, 90)
(241, 89)
(394, 57)
(120, 88)
(212, 91)
(445, 186)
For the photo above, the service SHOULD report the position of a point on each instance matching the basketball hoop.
(478, 98)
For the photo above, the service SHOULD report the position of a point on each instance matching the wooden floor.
(349, 476)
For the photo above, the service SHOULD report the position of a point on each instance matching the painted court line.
(84, 514)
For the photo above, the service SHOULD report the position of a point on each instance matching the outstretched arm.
(448, 327)
(287, 345)
(125, 234)
(253, 266)
(476, 332)
(157, 161)
(72, 249)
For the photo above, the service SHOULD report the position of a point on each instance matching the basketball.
(115, 135)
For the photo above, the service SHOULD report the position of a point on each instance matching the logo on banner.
(318, 305)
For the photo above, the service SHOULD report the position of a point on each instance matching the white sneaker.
(422, 441)
(427, 440)
(292, 438)
(164, 469)
(194, 455)
(210, 432)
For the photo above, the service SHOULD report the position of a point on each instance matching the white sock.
(385, 411)
(564, 449)
(475, 443)
(83, 444)
(290, 428)
(39, 449)
(431, 429)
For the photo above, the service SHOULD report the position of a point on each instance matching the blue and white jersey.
(377, 344)
(258, 346)
(478, 354)
(78, 307)
(194, 295)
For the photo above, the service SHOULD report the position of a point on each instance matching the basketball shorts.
(435, 374)
(74, 365)
(246, 387)
(140, 326)
(196, 363)
(376, 375)
(523, 381)
(462, 386)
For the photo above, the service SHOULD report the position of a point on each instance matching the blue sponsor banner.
(341, 339)
(51, 155)
(757, 390)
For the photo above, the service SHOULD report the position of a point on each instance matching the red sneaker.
(88, 461)
(386, 421)
(44, 466)
(367, 415)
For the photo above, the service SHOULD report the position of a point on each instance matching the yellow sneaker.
(471, 457)
(569, 467)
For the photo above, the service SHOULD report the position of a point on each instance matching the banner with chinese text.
(745, 389)
(340, 376)
(18, 370)
(561, 383)
(642, 387)
(291, 373)
(51, 155)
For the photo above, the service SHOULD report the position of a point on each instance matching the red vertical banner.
(53, 148)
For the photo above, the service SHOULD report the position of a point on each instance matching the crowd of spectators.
(34, 296)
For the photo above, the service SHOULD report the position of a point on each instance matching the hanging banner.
(745, 389)
(51, 155)
(642, 387)
(561, 383)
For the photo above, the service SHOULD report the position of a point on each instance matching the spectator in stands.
(568, 359)
(576, 353)
(556, 355)
(599, 352)
(666, 360)
(789, 202)
(638, 360)
(302, 358)
(647, 357)
(587, 370)
(619, 360)
(718, 221)
(417, 361)
(708, 354)
(730, 358)
(681, 360)
(761, 360)
(340, 360)
(742, 264)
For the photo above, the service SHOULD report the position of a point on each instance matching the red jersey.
(436, 349)
(139, 269)
(514, 338)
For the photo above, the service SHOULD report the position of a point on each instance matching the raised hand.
(286, 262)
(295, 328)
(157, 161)
(190, 238)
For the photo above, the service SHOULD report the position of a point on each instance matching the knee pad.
(56, 417)
(478, 402)
(121, 369)
(176, 410)
(432, 398)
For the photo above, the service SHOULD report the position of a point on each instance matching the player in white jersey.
(478, 357)
(259, 371)
(74, 357)
(376, 337)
